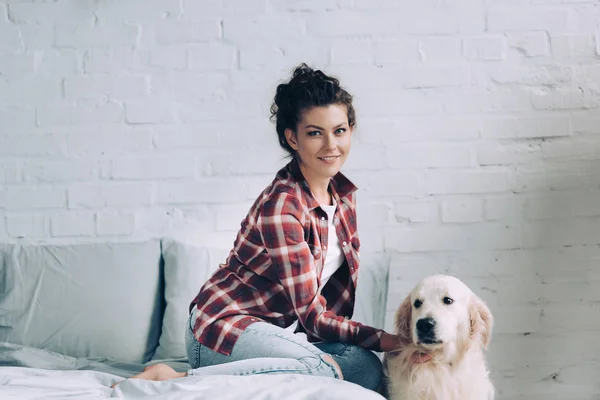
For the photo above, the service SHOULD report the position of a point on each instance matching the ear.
(403, 322)
(291, 138)
(482, 321)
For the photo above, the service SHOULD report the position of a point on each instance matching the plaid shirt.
(272, 274)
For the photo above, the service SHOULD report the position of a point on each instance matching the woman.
(295, 259)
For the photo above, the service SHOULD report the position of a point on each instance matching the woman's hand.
(157, 372)
(391, 343)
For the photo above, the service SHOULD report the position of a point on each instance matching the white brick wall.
(477, 151)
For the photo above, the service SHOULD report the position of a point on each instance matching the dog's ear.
(482, 321)
(402, 320)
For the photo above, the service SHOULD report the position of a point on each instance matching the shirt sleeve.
(281, 226)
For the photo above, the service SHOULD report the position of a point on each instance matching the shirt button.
(322, 218)
(324, 247)
(344, 243)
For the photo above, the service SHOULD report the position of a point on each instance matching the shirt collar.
(341, 187)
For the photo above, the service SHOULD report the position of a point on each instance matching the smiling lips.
(329, 159)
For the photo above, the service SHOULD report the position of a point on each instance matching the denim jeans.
(264, 348)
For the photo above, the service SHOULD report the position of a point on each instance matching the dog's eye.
(418, 303)
(448, 300)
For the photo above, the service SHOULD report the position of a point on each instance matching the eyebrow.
(318, 127)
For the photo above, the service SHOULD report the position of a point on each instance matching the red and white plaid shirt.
(273, 272)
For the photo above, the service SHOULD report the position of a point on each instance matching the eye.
(418, 303)
(340, 131)
(313, 133)
(448, 300)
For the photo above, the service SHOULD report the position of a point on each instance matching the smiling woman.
(294, 264)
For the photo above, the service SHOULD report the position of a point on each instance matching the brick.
(10, 39)
(580, 148)
(424, 238)
(93, 87)
(208, 191)
(100, 195)
(149, 111)
(230, 216)
(261, 58)
(27, 225)
(72, 224)
(66, 115)
(528, 19)
(194, 136)
(111, 58)
(573, 204)
(115, 223)
(478, 101)
(503, 208)
(59, 62)
(351, 53)
(16, 65)
(485, 48)
(30, 91)
(58, 12)
(235, 30)
(347, 23)
(374, 214)
(191, 85)
(524, 75)
(405, 183)
(558, 99)
(428, 155)
(424, 22)
(36, 37)
(457, 182)
(307, 5)
(16, 120)
(428, 77)
(138, 10)
(561, 232)
(32, 145)
(60, 171)
(227, 7)
(408, 103)
(573, 45)
(312, 51)
(563, 318)
(500, 128)
(33, 197)
(212, 57)
(498, 235)
(493, 153)
(249, 163)
(396, 52)
(89, 35)
(9, 172)
(237, 107)
(462, 209)
(153, 168)
(440, 50)
(586, 124)
(532, 44)
(543, 127)
(416, 211)
(366, 156)
(177, 32)
(524, 319)
(171, 57)
(99, 141)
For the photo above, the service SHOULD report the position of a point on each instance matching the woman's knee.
(363, 367)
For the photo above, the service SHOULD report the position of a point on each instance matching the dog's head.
(442, 314)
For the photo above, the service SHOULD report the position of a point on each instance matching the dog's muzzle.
(426, 331)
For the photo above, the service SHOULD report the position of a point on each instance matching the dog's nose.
(425, 326)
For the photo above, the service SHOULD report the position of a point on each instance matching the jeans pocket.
(192, 346)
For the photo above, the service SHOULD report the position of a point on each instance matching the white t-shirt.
(335, 255)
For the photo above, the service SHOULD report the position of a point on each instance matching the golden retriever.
(441, 317)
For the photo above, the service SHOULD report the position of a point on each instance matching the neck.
(319, 186)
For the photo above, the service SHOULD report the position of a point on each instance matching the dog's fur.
(462, 332)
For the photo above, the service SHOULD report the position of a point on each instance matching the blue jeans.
(264, 348)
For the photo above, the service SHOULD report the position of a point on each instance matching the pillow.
(371, 290)
(187, 267)
(83, 300)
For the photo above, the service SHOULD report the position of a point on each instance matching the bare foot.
(157, 372)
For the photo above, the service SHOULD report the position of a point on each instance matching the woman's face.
(322, 141)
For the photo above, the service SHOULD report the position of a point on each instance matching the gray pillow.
(83, 300)
(188, 266)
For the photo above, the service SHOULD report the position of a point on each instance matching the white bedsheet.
(28, 374)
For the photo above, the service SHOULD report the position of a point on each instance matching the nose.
(330, 141)
(425, 326)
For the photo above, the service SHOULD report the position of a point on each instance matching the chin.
(455, 333)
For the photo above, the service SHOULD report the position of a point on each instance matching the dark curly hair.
(306, 89)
